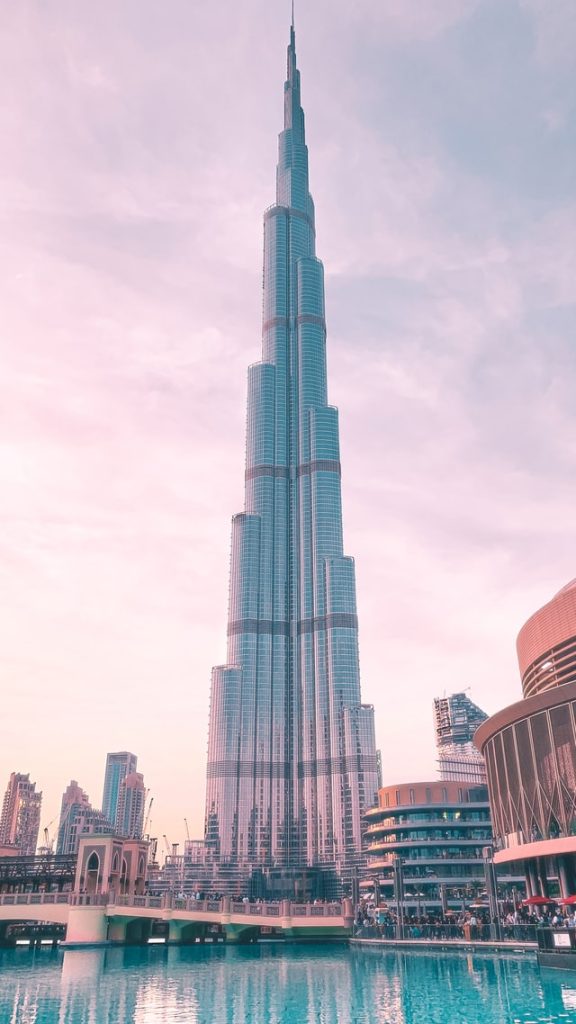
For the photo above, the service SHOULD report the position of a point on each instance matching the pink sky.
(139, 147)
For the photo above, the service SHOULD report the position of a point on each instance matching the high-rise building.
(292, 760)
(118, 766)
(78, 817)
(456, 719)
(74, 802)
(20, 818)
(130, 811)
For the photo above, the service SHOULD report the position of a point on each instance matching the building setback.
(292, 762)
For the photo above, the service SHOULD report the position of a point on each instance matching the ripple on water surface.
(275, 984)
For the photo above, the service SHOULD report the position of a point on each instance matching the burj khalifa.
(292, 762)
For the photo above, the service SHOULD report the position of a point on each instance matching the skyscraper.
(291, 759)
(118, 766)
(75, 804)
(130, 812)
(20, 818)
(78, 817)
(456, 719)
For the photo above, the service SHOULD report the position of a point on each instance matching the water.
(274, 984)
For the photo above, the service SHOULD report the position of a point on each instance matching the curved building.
(530, 753)
(439, 831)
(546, 644)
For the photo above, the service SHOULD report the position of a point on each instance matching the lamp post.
(399, 894)
(355, 888)
(443, 898)
(376, 881)
(492, 892)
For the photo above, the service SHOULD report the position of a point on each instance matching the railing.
(89, 899)
(448, 932)
(223, 906)
(19, 899)
(168, 901)
(398, 824)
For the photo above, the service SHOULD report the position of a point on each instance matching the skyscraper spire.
(291, 758)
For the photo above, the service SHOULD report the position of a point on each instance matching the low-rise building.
(438, 832)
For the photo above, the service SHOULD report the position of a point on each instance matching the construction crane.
(187, 829)
(166, 844)
(147, 818)
(48, 847)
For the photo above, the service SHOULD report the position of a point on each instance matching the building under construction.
(456, 719)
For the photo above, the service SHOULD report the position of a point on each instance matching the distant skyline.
(135, 174)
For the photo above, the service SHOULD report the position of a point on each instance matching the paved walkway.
(449, 945)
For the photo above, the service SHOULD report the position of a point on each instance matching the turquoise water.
(273, 984)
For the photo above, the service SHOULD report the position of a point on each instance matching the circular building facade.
(439, 831)
(546, 644)
(530, 754)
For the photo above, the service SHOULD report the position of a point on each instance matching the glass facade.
(291, 761)
(118, 766)
(440, 833)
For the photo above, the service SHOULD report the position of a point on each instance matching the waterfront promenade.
(449, 945)
(101, 920)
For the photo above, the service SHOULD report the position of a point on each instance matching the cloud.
(139, 156)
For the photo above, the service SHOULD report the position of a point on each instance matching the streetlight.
(399, 894)
(491, 891)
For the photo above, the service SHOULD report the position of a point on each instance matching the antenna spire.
(292, 22)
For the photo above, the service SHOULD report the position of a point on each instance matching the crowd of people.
(517, 924)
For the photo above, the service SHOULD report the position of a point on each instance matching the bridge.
(110, 918)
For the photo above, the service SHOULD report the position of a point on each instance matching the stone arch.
(93, 872)
(124, 876)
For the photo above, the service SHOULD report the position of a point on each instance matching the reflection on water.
(275, 984)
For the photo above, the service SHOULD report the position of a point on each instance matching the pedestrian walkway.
(449, 945)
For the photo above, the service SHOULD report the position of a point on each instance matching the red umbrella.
(537, 901)
(567, 900)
